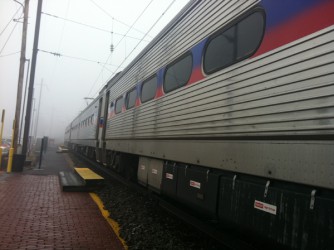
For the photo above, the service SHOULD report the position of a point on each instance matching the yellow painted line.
(88, 174)
(114, 225)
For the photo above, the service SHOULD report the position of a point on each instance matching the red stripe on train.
(305, 23)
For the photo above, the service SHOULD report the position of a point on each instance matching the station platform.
(36, 214)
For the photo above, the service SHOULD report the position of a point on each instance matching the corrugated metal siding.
(67, 134)
(85, 134)
(75, 131)
(89, 131)
(287, 92)
(207, 17)
(185, 35)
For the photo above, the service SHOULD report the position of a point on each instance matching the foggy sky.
(66, 80)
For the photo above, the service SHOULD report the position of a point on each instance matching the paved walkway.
(36, 214)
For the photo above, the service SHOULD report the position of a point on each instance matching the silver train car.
(229, 110)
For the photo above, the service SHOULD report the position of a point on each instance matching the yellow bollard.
(11, 152)
(10, 160)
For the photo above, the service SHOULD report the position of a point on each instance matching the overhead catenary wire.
(120, 65)
(104, 11)
(63, 27)
(10, 54)
(60, 41)
(88, 25)
(10, 20)
(130, 27)
(54, 67)
(73, 57)
(9, 35)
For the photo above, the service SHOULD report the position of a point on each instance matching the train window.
(149, 89)
(237, 43)
(131, 98)
(178, 73)
(111, 107)
(119, 105)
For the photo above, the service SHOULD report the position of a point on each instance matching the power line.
(103, 10)
(88, 25)
(60, 41)
(19, 3)
(11, 54)
(130, 27)
(9, 36)
(10, 20)
(74, 57)
(145, 35)
(63, 28)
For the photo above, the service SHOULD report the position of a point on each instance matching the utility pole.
(24, 100)
(21, 75)
(32, 79)
(39, 106)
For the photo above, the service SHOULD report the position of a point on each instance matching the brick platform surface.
(36, 214)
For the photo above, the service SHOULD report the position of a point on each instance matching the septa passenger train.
(230, 111)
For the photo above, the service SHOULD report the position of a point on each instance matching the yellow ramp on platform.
(88, 174)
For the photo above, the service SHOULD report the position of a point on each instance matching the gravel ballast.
(145, 225)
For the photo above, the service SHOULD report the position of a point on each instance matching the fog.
(74, 60)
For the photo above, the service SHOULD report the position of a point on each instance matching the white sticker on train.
(154, 171)
(169, 176)
(142, 167)
(265, 207)
(195, 184)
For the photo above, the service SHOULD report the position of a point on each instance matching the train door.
(104, 129)
(99, 127)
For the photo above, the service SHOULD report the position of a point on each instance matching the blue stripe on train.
(279, 11)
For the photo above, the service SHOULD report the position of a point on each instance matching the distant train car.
(230, 110)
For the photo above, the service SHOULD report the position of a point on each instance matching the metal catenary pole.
(39, 107)
(32, 79)
(21, 75)
(24, 101)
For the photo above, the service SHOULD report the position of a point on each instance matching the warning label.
(169, 176)
(142, 167)
(154, 171)
(195, 184)
(265, 207)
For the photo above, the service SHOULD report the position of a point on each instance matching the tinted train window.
(131, 98)
(111, 107)
(178, 73)
(119, 105)
(149, 89)
(234, 44)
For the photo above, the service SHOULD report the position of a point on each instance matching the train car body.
(230, 110)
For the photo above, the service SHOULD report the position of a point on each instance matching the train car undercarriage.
(286, 214)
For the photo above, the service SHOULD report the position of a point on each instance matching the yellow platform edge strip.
(114, 225)
(88, 174)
